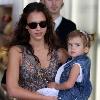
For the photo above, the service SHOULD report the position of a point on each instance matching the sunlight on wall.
(84, 14)
(6, 2)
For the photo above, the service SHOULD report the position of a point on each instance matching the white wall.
(17, 10)
(18, 6)
(66, 10)
(6, 2)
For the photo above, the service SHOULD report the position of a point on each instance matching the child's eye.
(77, 44)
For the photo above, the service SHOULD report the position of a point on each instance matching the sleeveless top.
(34, 77)
(81, 90)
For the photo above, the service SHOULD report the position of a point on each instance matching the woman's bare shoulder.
(15, 49)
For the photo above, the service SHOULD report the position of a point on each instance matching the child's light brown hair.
(83, 35)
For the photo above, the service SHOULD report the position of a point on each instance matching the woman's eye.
(69, 44)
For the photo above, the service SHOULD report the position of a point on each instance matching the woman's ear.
(26, 27)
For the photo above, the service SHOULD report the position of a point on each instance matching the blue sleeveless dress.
(81, 90)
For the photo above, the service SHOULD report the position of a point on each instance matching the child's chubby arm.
(53, 85)
(75, 71)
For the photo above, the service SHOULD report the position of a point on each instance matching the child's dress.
(82, 89)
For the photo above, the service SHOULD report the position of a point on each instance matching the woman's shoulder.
(16, 48)
(62, 54)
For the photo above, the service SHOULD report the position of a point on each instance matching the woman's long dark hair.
(22, 36)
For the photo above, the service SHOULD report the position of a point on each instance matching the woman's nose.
(38, 27)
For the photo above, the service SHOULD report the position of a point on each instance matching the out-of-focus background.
(86, 15)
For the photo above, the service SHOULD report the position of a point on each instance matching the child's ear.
(86, 49)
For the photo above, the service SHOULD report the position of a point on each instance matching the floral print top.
(34, 77)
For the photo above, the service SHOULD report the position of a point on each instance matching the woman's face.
(36, 25)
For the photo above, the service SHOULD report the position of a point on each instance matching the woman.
(33, 57)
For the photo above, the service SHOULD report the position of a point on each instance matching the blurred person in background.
(3, 95)
(6, 18)
(8, 30)
(62, 25)
(7, 33)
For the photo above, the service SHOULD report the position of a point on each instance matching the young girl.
(73, 78)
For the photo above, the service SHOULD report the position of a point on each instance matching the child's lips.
(72, 52)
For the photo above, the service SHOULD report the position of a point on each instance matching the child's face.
(76, 47)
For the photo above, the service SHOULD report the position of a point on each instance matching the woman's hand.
(52, 98)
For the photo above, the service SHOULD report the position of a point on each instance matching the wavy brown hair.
(22, 36)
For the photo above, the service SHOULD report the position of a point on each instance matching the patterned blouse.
(34, 77)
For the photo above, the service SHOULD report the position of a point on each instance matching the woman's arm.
(13, 88)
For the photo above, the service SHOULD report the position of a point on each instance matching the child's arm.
(71, 80)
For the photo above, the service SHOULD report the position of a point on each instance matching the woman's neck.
(37, 45)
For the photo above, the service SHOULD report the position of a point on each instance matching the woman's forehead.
(36, 16)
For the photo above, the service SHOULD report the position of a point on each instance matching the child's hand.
(52, 85)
